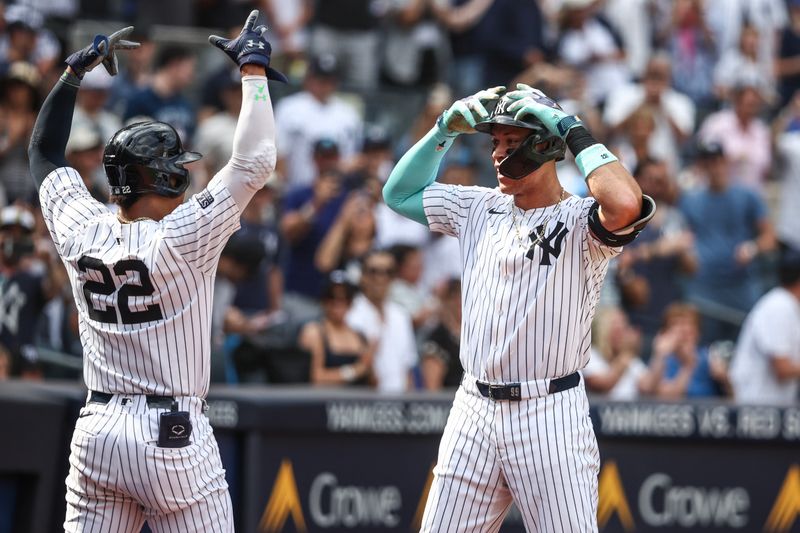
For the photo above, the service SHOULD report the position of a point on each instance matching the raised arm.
(53, 125)
(418, 167)
(621, 210)
(253, 158)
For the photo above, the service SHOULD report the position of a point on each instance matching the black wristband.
(579, 139)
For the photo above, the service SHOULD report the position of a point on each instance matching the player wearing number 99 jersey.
(143, 280)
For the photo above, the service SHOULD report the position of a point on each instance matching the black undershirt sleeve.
(52, 128)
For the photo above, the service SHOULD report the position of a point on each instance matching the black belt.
(513, 391)
(152, 400)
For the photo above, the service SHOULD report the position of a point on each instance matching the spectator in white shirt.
(385, 323)
(766, 366)
(672, 111)
(311, 114)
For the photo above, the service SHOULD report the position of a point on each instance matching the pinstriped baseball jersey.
(531, 280)
(143, 290)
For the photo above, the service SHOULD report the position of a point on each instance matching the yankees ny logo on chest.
(550, 244)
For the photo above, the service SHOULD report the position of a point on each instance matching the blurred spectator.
(632, 144)
(263, 292)
(163, 98)
(679, 366)
(340, 355)
(349, 29)
(23, 294)
(135, 75)
(312, 114)
(19, 103)
(650, 269)
(415, 48)
(440, 361)
(375, 160)
(731, 230)
(384, 323)
(58, 323)
(787, 150)
(512, 34)
(26, 39)
(309, 214)
(744, 64)
(744, 137)
(350, 237)
(728, 18)
(614, 368)
(84, 152)
(587, 43)
(691, 45)
(632, 19)
(90, 106)
(766, 367)
(672, 112)
(214, 134)
(406, 290)
(288, 21)
(464, 20)
(787, 65)
(238, 354)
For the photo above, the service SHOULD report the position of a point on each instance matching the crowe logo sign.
(787, 504)
(612, 497)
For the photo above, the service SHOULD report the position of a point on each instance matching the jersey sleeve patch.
(205, 198)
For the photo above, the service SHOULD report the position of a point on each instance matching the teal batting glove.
(461, 116)
(530, 101)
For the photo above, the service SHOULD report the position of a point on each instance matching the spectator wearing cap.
(766, 365)
(27, 40)
(90, 107)
(309, 213)
(744, 136)
(731, 230)
(312, 114)
(84, 153)
(385, 324)
(19, 103)
(23, 293)
(163, 98)
(673, 112)
(349, 30)
(340, 355)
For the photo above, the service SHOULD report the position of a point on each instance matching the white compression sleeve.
(254, 155)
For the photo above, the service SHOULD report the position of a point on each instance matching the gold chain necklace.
(540, 233)
(126, 221)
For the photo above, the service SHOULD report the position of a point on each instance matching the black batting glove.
(249, 47)
(102, 50)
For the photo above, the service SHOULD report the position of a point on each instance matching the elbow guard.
(258, 166)
(625, 235)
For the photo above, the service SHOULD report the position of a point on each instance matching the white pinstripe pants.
(540, 452)
(119, 477)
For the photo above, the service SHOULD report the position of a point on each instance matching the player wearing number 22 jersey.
(142, 279)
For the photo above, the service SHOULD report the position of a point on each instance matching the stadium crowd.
(700, 99)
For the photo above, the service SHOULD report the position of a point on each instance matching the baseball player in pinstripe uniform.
(143, 449)
(533, 260)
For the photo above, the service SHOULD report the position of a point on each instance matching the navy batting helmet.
(147, 157)
(538, 148)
